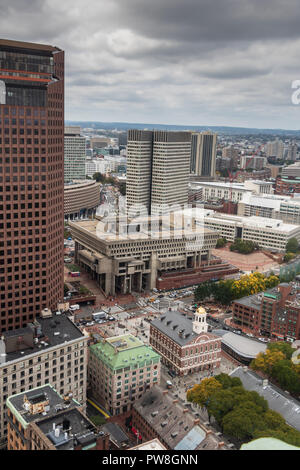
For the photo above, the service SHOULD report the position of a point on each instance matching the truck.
(99, 316)
(74, 274)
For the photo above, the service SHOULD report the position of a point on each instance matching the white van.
(74, 307)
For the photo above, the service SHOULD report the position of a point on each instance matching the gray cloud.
(206, 62)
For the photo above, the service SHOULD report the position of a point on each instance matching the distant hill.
(227, 130)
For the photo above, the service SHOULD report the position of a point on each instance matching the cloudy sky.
(187, 62)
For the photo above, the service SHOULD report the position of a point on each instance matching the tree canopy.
(243, 415)
(292, 245)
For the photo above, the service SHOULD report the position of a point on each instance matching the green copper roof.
(268, 443)
(124, 351)
(271, 296)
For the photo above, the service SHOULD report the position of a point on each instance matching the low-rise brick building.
(158, 415)
(275, 312)
(184, 343)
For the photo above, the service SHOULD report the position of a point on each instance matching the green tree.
(242, 422)
(286, 376)
(292, 245)
(203, 291)
(282, 346)
(228, 382)
(201, 393)
(220, 404)
(221, 242)
(288, 257)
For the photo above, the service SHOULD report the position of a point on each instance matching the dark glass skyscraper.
(31, 180)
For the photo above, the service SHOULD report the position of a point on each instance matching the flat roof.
(154, 444)
(209, 215)
(78, 430)
(28, 45)
(39, 394)
(49, 326)
(96, 228)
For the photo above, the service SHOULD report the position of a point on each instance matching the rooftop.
(117, 435)
(243, 346)
(46, 333)
(27, 45)
(69, 429)
(179, 328)
(37, 403)
(174, 424)
(254, 301)
(106, 231)
(207, 215)
(59, 418)
(154, 444)
(278, 400)
(268, 443)
(123, 351)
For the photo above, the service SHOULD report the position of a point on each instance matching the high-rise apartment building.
(74, 154)
(31, 180)
(157, 170)
(275, 148)
(203, 154)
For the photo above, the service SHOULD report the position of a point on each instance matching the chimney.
(185, 410)
(196, 421)
(175, 401)
(221, 444)
(165, 392)
(209, 431)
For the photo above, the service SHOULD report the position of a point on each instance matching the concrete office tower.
(157, 170)
(170, 170)
(203, 154)
(75, 154)
(139, 169)
(32, 180)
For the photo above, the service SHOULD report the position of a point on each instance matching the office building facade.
(121, 369)
(203, 154)
(31, 180)
(157, 170)
(74, 154)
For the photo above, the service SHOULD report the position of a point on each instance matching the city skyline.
(197, 64)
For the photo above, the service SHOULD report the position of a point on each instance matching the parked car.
(172, 373)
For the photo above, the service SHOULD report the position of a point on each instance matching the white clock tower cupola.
(200, 324)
